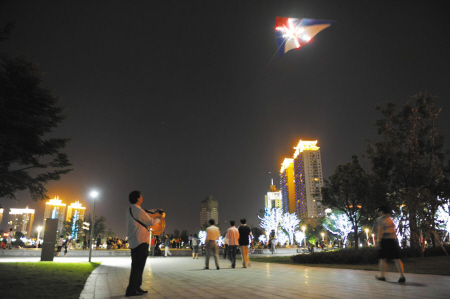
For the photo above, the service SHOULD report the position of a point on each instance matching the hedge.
(362, 256)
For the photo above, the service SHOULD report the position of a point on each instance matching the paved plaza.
(183, 277)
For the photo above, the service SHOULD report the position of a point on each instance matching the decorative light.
(339, 224)
(290, 223)
(202, 237)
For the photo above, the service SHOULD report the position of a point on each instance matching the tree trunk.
(356, 237)
(415, 242)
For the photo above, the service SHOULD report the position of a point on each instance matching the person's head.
(211, 222)
(243, 221)
(383, 210)
(195, 236)
(10, 229)
(61, 236)
(167, 235)
(135, 197)
(232, 222)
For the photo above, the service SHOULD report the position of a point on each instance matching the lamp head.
(93, 194)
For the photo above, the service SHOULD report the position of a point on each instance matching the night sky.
(186, 99)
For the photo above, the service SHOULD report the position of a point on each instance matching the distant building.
(209, 209)
(273, 198)
(21, 220)
(1, 214)
(55, 209)
(75, 212)
(302, 181)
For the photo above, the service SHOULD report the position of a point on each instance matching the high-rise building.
(209, 209)
(273, 198)
(55, 209)
(1, 214)
(21, 220)
(75, 212)
(302, 180)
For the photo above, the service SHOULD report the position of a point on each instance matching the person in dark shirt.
(244, 233)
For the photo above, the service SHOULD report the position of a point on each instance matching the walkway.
(181, 277)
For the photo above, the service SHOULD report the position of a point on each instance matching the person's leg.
(245, 255)
(381, 267)
(233, 255)
(400, 269)
(216, 255)
(207, 253)
(138, 259)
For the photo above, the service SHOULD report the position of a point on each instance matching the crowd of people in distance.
(116, 243)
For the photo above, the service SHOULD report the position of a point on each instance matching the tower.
(55, 209)
(21, 220)
(209, 209)
(302, 181)
(75, 212)
(273, 198)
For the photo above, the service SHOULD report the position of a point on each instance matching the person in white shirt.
(138, 223)
(212, 235)
(9, 239)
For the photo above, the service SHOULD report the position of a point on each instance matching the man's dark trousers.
(138, 259)
(232, 252)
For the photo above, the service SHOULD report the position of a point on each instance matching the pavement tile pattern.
(183, 277)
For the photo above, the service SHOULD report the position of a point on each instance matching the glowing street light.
(39, 232)
(373, 237)
(94, 195)
(367, 235)
(323, 237)
(304, 229)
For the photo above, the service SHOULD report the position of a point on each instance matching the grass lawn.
(44, 279)
(438, 265)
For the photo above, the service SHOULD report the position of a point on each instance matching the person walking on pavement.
(388, 244)
(244, 233)
(233, 242)
(212, 235)
(166, 246)
(194, 243)
(9, 238)
(66, 244)
(138, 223)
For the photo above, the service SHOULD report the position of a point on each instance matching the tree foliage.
(347, 192)
(410, 159)
(99, 226)
(28, 112)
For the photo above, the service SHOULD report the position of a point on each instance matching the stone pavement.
(183, 277)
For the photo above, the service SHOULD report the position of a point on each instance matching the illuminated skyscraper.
(1, 214)
(21, 220)
(75, 212)
(209, 209)
(273, 198)
(302, 181)
(55, 209)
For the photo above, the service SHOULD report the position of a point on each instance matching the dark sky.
(186, 99)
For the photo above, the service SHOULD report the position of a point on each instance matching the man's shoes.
(402, 279)
(142, 291)
(233, 267)
(380, 278)
(218, 268)
(132, 294)
(206, 268)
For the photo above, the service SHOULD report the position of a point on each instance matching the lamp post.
(94, 195)
(367, 235)
(373, 237)
(323, 237)
(304, 234)
(39, 232)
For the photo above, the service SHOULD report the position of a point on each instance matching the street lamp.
(39, 232)
(94, 195)
(304, 234)
(323, 237)
(373, 237)
(367, 235)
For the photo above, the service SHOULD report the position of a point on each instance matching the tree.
(110, 233)
(338, 223)
(28, 160)
(290, 223)
(409, 158)
(99, 226)
(347, 192)
(271, 220)
(184, 236)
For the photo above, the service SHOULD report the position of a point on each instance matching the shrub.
(362, 256)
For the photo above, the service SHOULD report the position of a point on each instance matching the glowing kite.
(292, 33)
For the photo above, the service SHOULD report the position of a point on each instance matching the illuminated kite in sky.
(294, 33)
